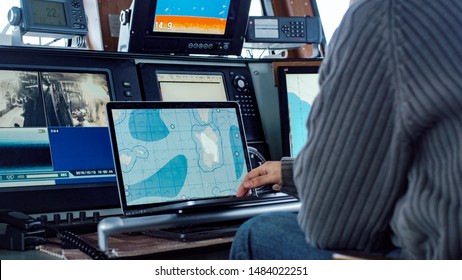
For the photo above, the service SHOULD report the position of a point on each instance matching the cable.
(70, 240)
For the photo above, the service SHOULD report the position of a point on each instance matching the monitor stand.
(116, 225)
(197, 232)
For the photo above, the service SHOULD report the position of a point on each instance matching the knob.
(15, 16)
(125, 16)
(56, 218)
(96, 216)
(70, 217)
(240, 83)
(82, 216)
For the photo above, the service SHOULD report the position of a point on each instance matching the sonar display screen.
(191, 16)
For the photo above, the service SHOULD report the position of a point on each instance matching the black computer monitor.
(297, 88)
(188, 26)
(54, 142)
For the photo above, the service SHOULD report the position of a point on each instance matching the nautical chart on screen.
(302, 89)
(179, 154)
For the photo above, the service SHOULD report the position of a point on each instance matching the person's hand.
(267, 173)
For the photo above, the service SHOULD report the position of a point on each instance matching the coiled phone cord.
(70, 240)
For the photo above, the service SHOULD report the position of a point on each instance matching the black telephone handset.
(25, 233)
(22, 232)
(19, 220)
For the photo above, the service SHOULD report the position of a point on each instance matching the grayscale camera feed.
(41, 99)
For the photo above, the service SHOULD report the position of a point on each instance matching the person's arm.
(352, 170)
(276, 173)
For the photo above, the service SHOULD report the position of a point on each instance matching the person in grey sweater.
(381, 171)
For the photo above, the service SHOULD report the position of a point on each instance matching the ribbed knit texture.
(384, 157)
(287, 176)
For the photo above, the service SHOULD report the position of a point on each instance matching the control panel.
(200, 46)
(284, 30)
(244, 94)
(77, 222)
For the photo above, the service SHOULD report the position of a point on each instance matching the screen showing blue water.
(177, 154)
(302, 89)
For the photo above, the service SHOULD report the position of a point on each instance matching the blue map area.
(170, 177)
(235, 140)
(298, 113)
(197, 8)
(171, 154)
(147, 127)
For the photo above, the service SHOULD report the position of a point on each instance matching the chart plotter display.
(179, 154)
(298, 88)
(302, 89)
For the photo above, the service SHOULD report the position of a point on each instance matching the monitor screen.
(186, 16)
(48, 125)
(52, 18)
(55, 150)
(189, 151)
(186, 27)
(298, 87)
(183, 86)
(48, 13)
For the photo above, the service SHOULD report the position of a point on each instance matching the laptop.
(175, 157)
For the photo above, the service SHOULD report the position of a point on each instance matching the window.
(331, 13)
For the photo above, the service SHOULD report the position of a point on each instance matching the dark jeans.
(277, 236)
(274, 236)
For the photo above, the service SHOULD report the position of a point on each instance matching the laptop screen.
(170, 152)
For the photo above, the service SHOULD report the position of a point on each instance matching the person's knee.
(252, 234)
(241, 248)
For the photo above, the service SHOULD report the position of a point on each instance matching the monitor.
(186, 27)
(298, 87)
(170, 155)
(54, 140)
(184, 86)
(50, 17)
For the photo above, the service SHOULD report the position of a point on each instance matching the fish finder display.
(191, 16)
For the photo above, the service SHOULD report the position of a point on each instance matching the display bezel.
(31, 28)
(175, 205)
(282, 73)
(144, 40)
(121, 76)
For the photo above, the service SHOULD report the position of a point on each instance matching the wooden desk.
(136, 246)
(25, 255)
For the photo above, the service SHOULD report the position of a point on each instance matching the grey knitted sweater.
(383, 163)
